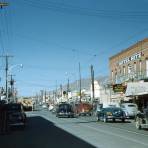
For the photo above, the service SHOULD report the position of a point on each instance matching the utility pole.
(45, 96)
(42, 94)
(6, 73)
(67, 87)
(92, 82)
(56, 93)
(61, 91)
(12, 87)
(80, 80)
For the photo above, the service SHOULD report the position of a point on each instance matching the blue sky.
(50, 38)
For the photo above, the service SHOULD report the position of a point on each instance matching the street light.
(9, 69)
(13, 66)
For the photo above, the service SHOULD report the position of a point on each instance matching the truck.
(83, 108)
(27, 104)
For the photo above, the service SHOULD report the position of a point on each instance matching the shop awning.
(136, 88)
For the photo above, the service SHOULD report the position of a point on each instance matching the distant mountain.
(85, 83)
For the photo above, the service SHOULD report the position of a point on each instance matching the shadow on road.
(41, 133)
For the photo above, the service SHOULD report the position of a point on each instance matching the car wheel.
(114, 119)
(138, 123)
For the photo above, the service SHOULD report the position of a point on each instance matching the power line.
(111, 14)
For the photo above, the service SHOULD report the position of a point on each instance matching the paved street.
(46, 130)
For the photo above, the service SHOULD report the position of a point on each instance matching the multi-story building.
(131, 65)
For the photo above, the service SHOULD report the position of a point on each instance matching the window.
(123, 70)
(140, 66)
(129, 68)
(135, 67)
(146, 67)
(112, 75)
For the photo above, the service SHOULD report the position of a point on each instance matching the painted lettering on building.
(131, 58)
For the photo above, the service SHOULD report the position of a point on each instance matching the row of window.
(130, 71)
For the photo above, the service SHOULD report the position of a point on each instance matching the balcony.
(131, 77)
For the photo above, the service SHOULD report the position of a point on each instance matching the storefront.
(138, 91)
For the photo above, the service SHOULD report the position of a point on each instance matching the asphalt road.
(45, 130)
(103, 135)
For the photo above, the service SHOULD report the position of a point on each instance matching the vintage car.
(83, 108)
(141, 120)
(111, 113)
(130, 109)
(17, 116)
(64, 110)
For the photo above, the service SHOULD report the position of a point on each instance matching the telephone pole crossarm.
(3, 4)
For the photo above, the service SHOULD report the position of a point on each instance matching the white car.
(130, 109)
(44, 106)
(50, 107)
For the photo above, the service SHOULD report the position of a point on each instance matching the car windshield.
(131, 105)
(65, 107)
(113, 109)
(14, 107)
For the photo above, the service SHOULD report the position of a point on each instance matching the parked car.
(83, 108)
(45, 106)
(50, 108)
(64, 110)
(130, 109)
(17, 116)
(111, 113)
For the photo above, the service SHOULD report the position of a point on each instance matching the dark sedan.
(64, 110)
(17, 116)
(111, 113)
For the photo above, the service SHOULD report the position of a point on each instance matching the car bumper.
(113, 117)
(65, 115)
(17, 124)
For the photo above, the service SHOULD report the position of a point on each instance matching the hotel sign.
(131, 58)
(119, 88)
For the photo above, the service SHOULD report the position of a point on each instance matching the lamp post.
(9, 69)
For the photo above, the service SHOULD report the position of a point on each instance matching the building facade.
(130, 65)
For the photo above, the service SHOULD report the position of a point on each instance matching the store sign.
(131, 58)
(119, 88)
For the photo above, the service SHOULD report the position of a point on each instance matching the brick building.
(131, 65)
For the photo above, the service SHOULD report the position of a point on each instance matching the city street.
(45, 130)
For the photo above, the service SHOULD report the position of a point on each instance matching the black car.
(64, 110)
(111, 113)
(17, 116)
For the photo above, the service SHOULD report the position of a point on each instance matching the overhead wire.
(102, 13)
(35, 84)
(112, 14)
(2, 31)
